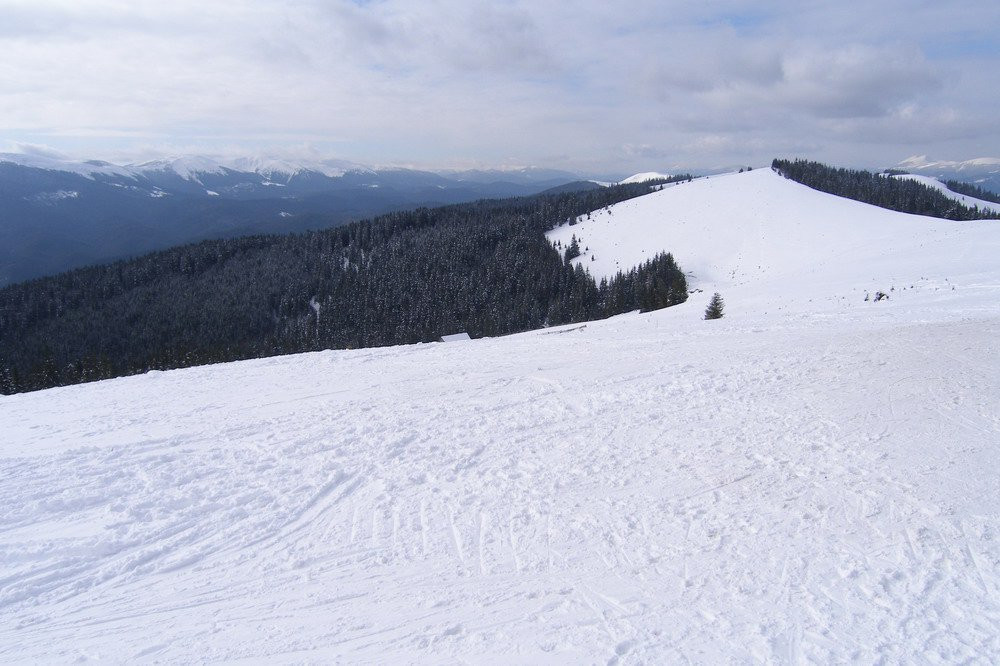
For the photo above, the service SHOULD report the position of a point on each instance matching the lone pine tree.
(714, 309)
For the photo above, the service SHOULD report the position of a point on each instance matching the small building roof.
(455, 337)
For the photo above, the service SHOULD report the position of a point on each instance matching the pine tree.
(573, 251)
(714, 309)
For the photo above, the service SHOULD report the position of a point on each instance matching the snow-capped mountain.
(811, 478)
(923, 163)
(59, 213)
(645, 176)
(982, 171)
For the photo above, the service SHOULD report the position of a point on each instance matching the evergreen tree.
(714, 309)
(573, 251)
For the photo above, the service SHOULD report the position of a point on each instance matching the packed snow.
(812, 478)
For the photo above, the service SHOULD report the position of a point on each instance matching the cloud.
(856, 81)
(35, 150)
(460, 81)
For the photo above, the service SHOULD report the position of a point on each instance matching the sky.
(595, 87)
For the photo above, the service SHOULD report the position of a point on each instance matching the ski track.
(543, 498)
(816, 485)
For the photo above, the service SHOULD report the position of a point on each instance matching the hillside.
(772, 243)
(812, 478)
(484, 268)
(963, 199)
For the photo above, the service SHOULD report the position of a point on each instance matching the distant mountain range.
(982, 171)
(57, 214)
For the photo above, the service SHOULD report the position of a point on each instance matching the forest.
(484, 267)
(971, 190)
(899, 194)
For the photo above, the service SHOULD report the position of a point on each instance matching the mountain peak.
(921, 162)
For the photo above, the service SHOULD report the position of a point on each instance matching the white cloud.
(452, 81)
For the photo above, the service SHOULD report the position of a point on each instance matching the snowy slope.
(643, 177)
(817, 483)
(961, 198)
(771, 242)
(188, 167)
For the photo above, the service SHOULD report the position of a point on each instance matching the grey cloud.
(460, 81)
(856, 81)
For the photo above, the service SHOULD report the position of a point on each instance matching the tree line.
(899, 194)
(970, 190)
(412, 276)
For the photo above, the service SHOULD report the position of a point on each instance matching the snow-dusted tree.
(573, 251)
(714, 309)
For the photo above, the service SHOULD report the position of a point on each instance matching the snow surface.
(775, 243)
(813, 478)
(961, 198)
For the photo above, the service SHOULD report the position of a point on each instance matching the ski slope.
(813, 478)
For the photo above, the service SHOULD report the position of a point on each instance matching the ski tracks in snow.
(595, 497)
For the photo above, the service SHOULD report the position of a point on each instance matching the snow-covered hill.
(645, 176)
(771, 243)
(963, 199)
(812, 478)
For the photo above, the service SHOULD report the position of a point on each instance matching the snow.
(922, 162)
(188, 167)
(285, 168)
(643, 177)
(774, 243)
(812, 478)
(53, 197)
(53, 162)
(961, 198)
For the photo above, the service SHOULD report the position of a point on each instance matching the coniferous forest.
(484, 267)
(970, 190)
(899, 194)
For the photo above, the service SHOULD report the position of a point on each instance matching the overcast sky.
(591, 86)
